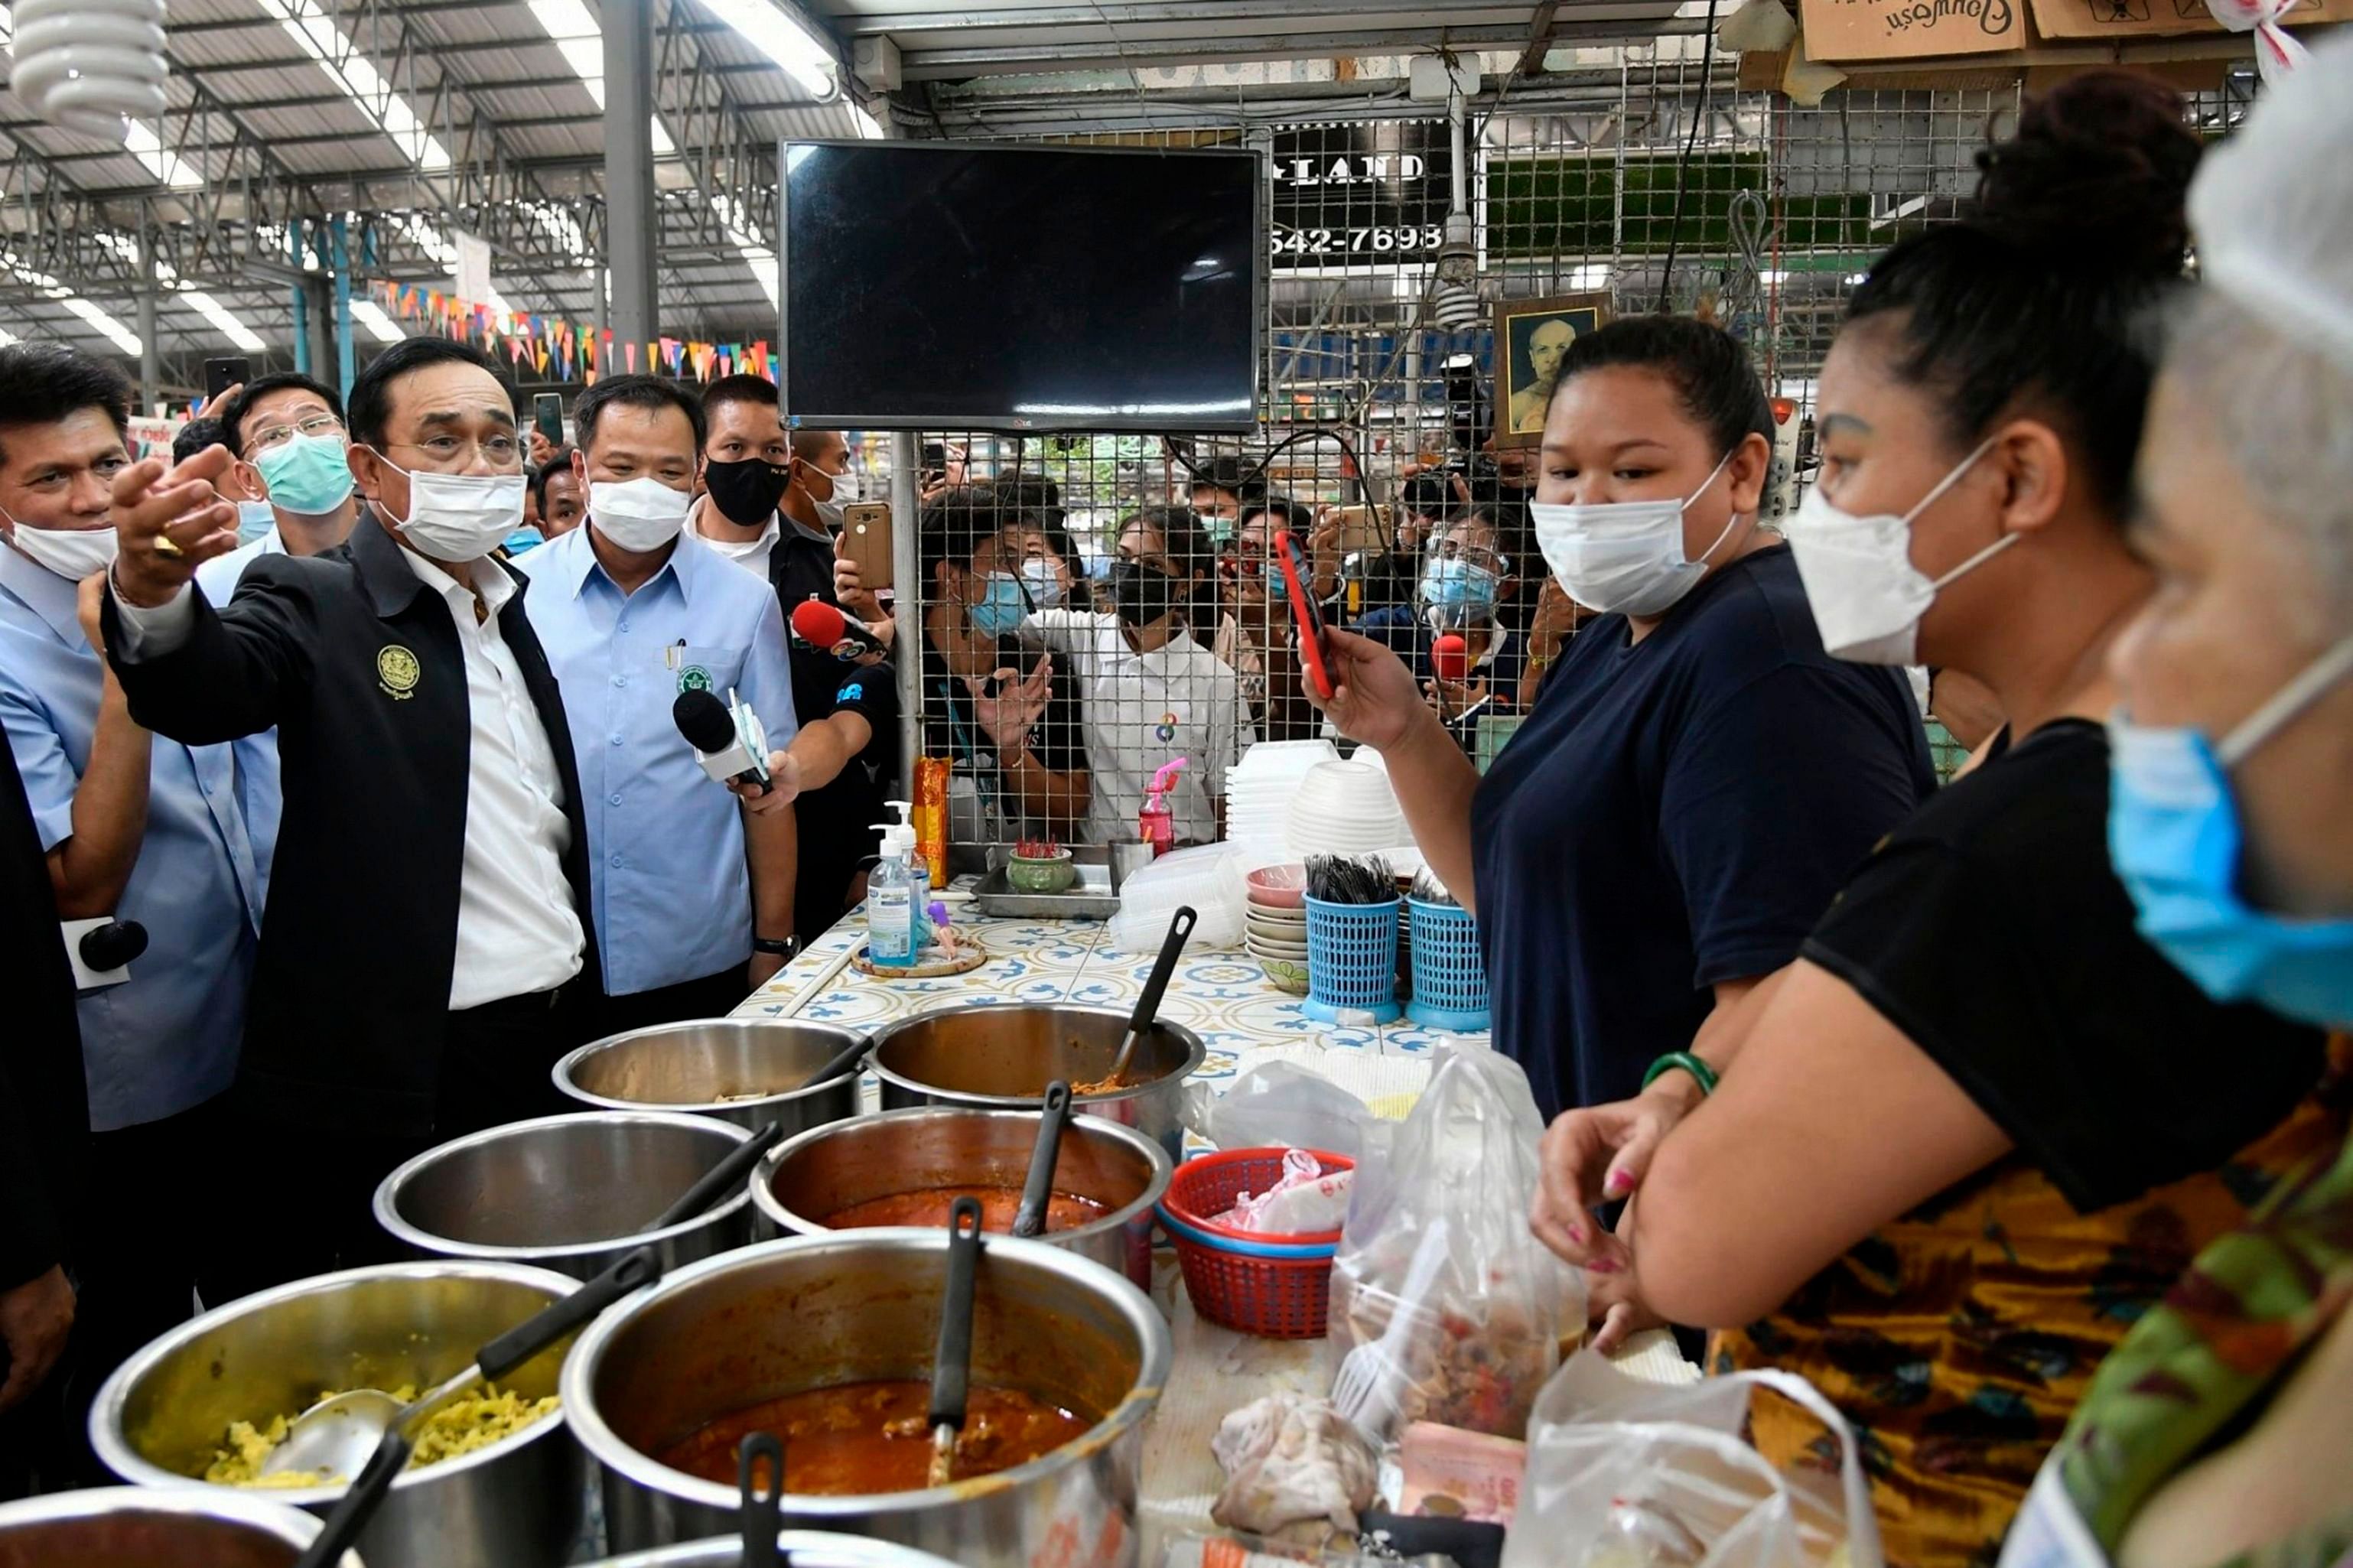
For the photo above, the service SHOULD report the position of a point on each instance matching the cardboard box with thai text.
(1837, 30)
(2158, 19)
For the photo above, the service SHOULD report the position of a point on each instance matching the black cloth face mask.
(1143, 594)
(746, 492)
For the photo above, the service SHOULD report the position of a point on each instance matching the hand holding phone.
(1305, 612)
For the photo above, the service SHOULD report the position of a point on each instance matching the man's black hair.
(1243, 480)
(194, 437)
(231, 415)
(651, 392)
(371, 407)
(40, 384)
(740, 388)
(1029, 492)
(1707, 367)
(1287, 513)
(561, 463)
(956, 524)
(1430, 495)
(809, 445)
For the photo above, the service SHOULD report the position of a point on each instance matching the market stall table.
(1224, 997)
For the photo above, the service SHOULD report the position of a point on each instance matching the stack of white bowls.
(1258, 790)
(1276, 918)
(1346, 808)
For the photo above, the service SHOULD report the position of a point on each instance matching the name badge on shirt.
(396, 672)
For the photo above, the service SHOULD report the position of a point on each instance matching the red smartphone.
(1296, 581)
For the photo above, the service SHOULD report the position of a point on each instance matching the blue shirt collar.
(576, 561)
(44, 592)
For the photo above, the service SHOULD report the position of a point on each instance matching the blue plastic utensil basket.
(1352, 961)
(1450, 980)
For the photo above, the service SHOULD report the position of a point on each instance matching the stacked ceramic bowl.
(1276, 920)
(1258, 790)
(1346, 808)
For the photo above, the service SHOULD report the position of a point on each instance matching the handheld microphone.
(727, 738)
(1450, 657)
(821, 625)
(100, 950)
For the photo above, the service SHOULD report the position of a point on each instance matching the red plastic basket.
(1274, 1298)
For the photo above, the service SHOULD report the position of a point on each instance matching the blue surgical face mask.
(1453, 584)
(523, 539)
(2174, 839)
(1045, 587)
(307, 475)
(999, 610)
(254, 519)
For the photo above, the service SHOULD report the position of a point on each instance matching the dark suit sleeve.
(39, 1131)
(30, 1242)
(233, 675)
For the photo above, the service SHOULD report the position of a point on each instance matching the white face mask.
(637, 514)
(1625, 557)
(72, 553)
(850, 485)
(1867, 596)
(459, 516)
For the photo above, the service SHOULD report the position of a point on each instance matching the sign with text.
(2160, 18)
(1842, 30)
(1348, 195)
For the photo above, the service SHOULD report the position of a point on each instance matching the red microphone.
(821, 625)
(1450, 657)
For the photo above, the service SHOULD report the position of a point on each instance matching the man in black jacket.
(425, 954)
(44, 1137)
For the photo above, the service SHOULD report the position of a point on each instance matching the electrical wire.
(1683, 168)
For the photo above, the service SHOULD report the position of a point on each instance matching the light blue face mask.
(1045, 587)
(523, 539)
(307, 475)
(2175, 839)
(999, 612)
(254, 519)
(1450, 582)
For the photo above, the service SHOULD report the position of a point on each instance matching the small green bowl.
(1285, 975)
(1028, 876)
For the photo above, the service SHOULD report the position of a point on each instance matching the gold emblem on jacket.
(397, 671)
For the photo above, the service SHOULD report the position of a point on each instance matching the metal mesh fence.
(1657, 185)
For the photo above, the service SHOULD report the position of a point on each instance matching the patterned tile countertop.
(1224, 997)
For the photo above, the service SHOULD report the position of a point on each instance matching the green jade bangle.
(1689, 1064)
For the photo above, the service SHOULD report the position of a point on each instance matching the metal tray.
(1089, 898)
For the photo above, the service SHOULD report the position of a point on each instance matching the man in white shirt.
(425, 952)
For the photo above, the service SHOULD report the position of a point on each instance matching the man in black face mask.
(753, 513)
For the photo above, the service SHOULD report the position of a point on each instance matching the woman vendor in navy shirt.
(1698, 776)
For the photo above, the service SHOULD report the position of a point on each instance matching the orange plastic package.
(930, 816)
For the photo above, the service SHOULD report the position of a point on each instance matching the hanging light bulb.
(90, 66)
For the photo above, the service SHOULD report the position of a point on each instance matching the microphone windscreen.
(818, 624)
(702, 719)
(1450, 657)
(113, 946)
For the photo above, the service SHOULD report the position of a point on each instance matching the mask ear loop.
(2287, 703)
(1934, 496)
(1706, 485)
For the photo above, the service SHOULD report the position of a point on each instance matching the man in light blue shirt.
(693, 895)
(135, 826)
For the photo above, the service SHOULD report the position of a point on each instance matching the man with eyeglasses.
(286, 432)
(426, 952)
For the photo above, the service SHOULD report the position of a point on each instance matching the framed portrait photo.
(1530, 336)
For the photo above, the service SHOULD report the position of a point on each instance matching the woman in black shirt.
(1979, 1124)
(1697, 777)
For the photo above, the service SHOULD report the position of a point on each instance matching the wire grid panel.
(1670, 189)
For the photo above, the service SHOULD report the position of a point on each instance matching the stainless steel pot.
(828, 1169)
(817, 1311)
(517, 1503)
(132, 1526)
(701, 1066)
(566, 1192)
(1001, 1058)
(807, 1549)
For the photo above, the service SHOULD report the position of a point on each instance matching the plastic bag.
(1627, 1474)
(1281, 1105)
(1294, 1471)
(1304, 1201)
(1478, 1344)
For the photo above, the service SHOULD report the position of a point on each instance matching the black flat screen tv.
(946, 286)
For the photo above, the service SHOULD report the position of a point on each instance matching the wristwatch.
(785, 947)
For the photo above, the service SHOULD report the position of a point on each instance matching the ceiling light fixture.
(379, 326)
(316, 32)
(780, 36)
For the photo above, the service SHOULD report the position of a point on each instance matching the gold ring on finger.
(168, 546)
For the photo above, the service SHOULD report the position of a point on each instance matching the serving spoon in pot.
(1148, 1005)
(350, 1433)
(337, 1435)
(952, 1363)
(1038, 1191)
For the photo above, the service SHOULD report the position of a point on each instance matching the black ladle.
(495, 1360)
(952, 1362)
(1038, 1191)
(761, 1511)
(1147, 1006)
(844, 1060)
(729, 1173)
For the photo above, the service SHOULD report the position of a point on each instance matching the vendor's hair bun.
(2097, 174)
